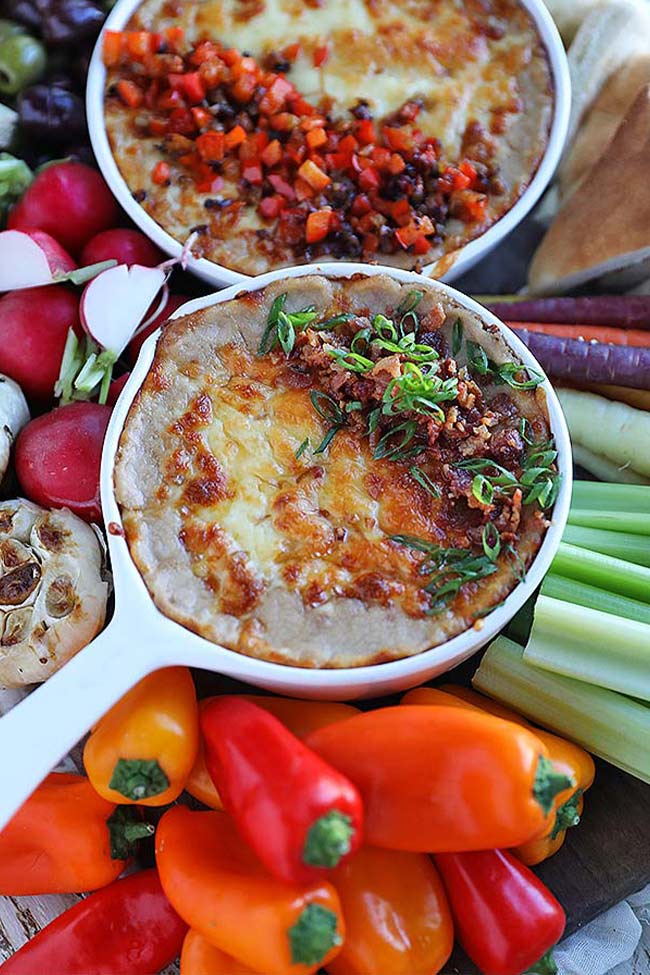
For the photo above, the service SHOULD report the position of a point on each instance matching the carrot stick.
(590, 333)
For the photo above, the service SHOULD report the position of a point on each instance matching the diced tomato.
(381, 157)
(211, 146)
(181, 121)
(204, 51)
(244, 88)
(272, 155)
(174, 39)
(291, 51)
(113, 47)
(366, 133)
(318, 225)
(321, 55)
(298, 104)
(193, 87)
(202, 117)
(139, 43)
(160, 173)
(231, 56)
(313, 122)
(283, 122)
(281, 186)
(369, 179)
(171, 99)
(261, 139)
(313, 175)
(235, 137)
(397, 139)
(348, 144)
(296, 153)
(396, 164)
(152, 93)
(275, 98)
(473, 206)
(401, 212)
(468, 170)
(421, 245)
(303, 190)
(361, 205)
(130, 93)
(158, 126)
(272, 206)
(212, 73)
(457, 179)
(252, 172)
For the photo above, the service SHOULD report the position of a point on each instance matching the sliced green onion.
(491, 541)
(604, 722)
(591, 646)
(619, 545)
(388, 449)
(351, 360)
(422, 478)
(509, 371)
(286, 333)
(477, 358)
(482, 490)
(456, 337)
(385, 328)
(333, 322)
(581, 593)
(302, 448)
(269, 336)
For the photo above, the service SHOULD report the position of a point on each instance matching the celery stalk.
(606, 723)
(615, 575)
(635, 522)
(612, 497)
(582, 594)
(620, 545)
(591, 646)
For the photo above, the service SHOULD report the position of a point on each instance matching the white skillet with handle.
(139, 639)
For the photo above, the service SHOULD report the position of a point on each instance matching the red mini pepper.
(299, 815)
(506, 919)
(128, 928)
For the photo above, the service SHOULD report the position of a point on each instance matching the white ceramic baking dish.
(139, 639)
(466, 258)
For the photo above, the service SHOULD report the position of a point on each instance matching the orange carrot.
(598, 333)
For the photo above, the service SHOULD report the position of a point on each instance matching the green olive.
(8, 28)
(22, 62)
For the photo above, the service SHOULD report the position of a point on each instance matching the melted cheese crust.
(471, 61)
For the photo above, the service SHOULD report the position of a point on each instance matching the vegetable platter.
(456, 802)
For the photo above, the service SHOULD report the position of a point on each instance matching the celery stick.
(615, 575)
(614, 497)
(635, 522)
(581, 593)
(606, 723)
(620, 545)
(591, 646)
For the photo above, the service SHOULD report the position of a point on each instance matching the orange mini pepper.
(300, 717)
(199, 957)
(60, 840)
(397, 918)
(437, 779)
(144, 748)
(565, 755)
(220, 889)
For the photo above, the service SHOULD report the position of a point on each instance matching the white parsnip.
(605, 469)
(613, 430)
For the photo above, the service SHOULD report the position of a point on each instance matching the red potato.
(134, 346)
(123, 245)
(58, 458)
(68, 200)
(29, 258)
(34, 325)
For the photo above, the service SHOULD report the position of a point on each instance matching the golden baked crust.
(284, 557)
(480, 70)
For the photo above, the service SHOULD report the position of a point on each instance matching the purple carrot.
(624, 311)
(594, 362)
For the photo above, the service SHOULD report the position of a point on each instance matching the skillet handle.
(39, 731)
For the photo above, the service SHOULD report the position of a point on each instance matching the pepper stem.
(313, 935)
(328, 840)
(567, 815)
(545, 966)
(125, 829)
(138, 778)
(549, 783)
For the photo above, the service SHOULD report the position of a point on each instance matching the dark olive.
(47, 112)
(24, 11)
(69, 21)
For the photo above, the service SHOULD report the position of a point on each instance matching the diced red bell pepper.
(193, 87)
(396, 164)
(369, 179)
(281, 186)
(113, 47)
(139, 43)
(291, 51)
(275, 98)
(348, 144)
(321, 55)
(365, 130)
(303, 190)
(316, 137)
(181, 121)
(212, 73)
(457, 179)
(244, 88)
(235, 137)
(174, 39)
(204, 51)
(313, 175)
(283, 122)
(252, 173)
(421, 245)
(381, 157)
(400, 211)
(398, 139)
(130, 93)
(468, 170)
(370, 243)
(271, 206)
(298, 104)
(158, 126)
(160, 173)
(211, 146)
(361, 205)
(202, 117)
(272, 154)
(318, 225)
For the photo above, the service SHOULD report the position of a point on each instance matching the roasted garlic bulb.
(52, 591)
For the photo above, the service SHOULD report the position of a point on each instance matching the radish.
(115, 302)
(58, 458)
(68, 200)
(123, 245)
(173, 302)
(116, 388)
(34, 324)
(30, 258)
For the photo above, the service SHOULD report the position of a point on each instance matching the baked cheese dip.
(286, 131)
(334, 472)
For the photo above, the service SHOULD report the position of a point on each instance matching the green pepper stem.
(567, 815)
(328, 840)
(313, 935)
(548, 783)
(138, 778)
(545, 966)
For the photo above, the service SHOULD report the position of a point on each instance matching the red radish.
(58, 458)
(116, 301)
(29, 258)
(34, 325)
(116, 388)
(123, 245)
(134, 346)
(68, 200)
